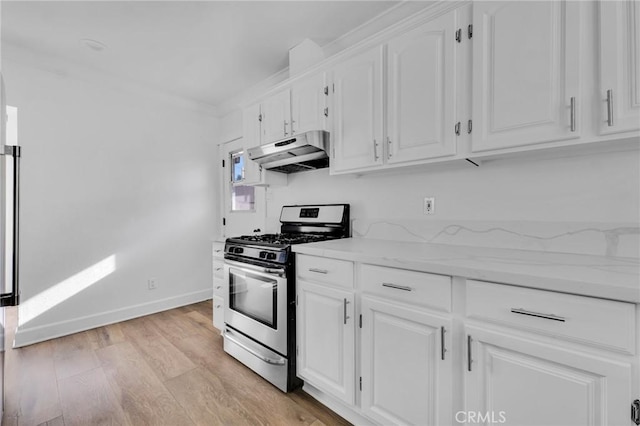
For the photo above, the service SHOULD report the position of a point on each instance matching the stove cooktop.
(280, 240)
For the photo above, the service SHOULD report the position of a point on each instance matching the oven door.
(256, 303)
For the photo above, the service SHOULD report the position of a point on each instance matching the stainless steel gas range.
(259, 275)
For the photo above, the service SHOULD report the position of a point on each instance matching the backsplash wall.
(588, 203)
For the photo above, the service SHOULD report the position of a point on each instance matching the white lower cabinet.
(326, 339)
(440, 351)
(405, 364)
(515, 380)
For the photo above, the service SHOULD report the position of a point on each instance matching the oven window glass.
(254, 296)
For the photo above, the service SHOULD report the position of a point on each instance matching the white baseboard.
(346, 412)
(29, 335)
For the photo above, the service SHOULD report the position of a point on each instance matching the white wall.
(117, 187)
(585, 199)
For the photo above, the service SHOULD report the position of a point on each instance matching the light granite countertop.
(612, 278)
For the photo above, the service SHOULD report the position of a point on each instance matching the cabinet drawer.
(324, 270)
(218, 249)
(218, 287)
(418, 288)
(218, 312)
(598, 322)
(218, 268)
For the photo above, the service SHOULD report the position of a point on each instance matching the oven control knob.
(237, 250)
(263, 254)
(271, 256)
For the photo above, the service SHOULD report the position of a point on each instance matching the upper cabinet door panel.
(276, 117)
(526, 73)
(308, 103)
(357, 136)
(421, 92)
(619, 66)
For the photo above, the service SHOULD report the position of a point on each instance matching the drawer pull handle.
(442, 348)
(537, 314)
(218, 287)
(218, 269)
(318, 271)
(397, 287)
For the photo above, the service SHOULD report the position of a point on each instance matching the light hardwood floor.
(163, 369)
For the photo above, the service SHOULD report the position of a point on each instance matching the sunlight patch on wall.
(53, 296)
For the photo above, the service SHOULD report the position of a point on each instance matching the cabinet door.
(525, 382)
(525, 73)
(308, 103)
(251, 137)
(357, 133)
(619, 98)
(325, 338)
(421, 93)
(404, 378)
(276, 117)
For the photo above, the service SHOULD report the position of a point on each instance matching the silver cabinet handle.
(280, 361)
(469, 360)
(285, 128)
(346, 302)
(389, 147)
(218, 287)
(218, 250)
(326, 112)
(573, 113)
(610, 108)
(537, 314)
(375, 150)
(292, 131)
(218, 269)
(442, 348)
(318, 271)
(397, 287)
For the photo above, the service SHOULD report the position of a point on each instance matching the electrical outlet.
(152, 283)
(429, 205)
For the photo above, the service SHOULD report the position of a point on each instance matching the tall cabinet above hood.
(306, 151)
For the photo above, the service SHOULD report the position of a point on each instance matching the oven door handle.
(273, 271)
(268, 360)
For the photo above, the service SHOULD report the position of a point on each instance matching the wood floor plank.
(35, 386)
(174, 325)
(140, 393)
(324, 415)
(109, 335)
(164, 358)
(203, 321)
(207, 401)
(74, 363)
(87, 399)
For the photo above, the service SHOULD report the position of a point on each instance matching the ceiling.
(208, 51)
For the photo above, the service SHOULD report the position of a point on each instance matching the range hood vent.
(306, 151)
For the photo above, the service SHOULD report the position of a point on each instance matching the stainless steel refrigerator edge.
(9, 228)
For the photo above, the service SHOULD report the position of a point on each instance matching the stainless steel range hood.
(306, 151)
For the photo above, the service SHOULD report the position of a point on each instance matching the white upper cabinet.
(357, 132)
(421, 76)
(619, 58)
(526, 79)
(276, 117)
(309, 104)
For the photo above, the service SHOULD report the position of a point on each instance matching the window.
(237, 166)
(242, 196)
